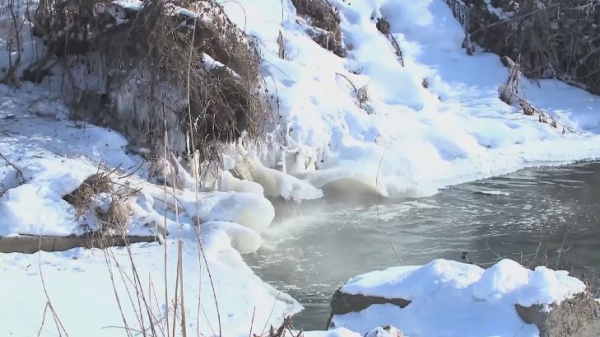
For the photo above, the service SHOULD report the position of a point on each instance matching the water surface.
(544, 216)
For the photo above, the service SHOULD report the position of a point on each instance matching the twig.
(20, 175)
(514, 18)
(378, 216)
(561, 248)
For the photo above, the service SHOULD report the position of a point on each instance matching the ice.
(229, 183)
(243, 239)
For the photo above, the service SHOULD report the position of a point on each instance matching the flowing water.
(535, 216)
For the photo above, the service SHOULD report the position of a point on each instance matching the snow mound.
(246, 209)
(454, 299)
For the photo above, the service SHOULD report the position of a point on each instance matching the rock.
(570, 318)
(385, 331)
(343, 303)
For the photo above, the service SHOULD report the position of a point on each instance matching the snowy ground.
(55, 156)
(417, 140)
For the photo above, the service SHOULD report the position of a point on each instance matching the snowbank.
(79, 286)
(420, 137)
(447, 298)
(49, 158)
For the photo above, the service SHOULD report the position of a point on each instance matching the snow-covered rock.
(385, 331)
(447, 298)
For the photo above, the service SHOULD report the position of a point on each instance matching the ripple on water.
(312, 249)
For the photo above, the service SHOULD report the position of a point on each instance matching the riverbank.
(432, 118)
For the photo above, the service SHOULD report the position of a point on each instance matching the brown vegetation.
(325, 22)
(190, 72)
(116, 216)
(555, 38)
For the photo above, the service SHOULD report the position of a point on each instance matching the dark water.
(545, 216)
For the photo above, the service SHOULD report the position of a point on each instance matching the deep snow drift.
(455, 299)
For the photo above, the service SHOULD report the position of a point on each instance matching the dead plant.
(361, 95)
(285, 329)
(82, 197)
(555, 38)
(512, 86)
(170, 58)
(115, 218)
(384, 28)
(281, 44)
(325, 21)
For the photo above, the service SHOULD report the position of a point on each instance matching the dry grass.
(82, 197)
(163, 56)
(285, 329)
(361, 95)
(555, 38)
(112, 219)
(116, 217)
(510, 90)
(325, 20)
(384, 28)
(224, 101)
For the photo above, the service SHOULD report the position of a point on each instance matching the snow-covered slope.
(418, 139)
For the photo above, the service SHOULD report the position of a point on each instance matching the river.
(546, 216)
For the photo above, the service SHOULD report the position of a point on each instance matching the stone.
(343, 303)
(570, 318)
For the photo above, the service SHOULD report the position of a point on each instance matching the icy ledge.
(447, 298)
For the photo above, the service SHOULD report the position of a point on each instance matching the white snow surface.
(79, 287)
(418, 139)
(50, 157)
(449, 298)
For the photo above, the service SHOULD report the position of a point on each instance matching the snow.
(419, 139)
(80, 290)
(50, 157)
(416, 140)
(454, 299)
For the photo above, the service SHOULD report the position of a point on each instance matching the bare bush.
(177, 67)
(509, 93)
(361, 95)
(384, 28)
(555, 38)
(12, 32)
(111, 219)
(325, 20)
(82, 196)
